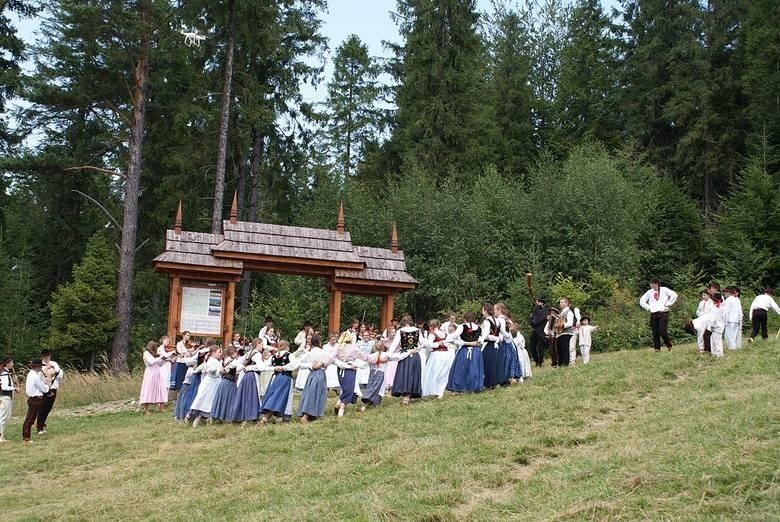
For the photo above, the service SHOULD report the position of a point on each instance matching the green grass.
(635, 435)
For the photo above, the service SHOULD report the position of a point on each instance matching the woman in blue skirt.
(226, 393)
(279, 395)
(408, 375)
(246, 405)
(468, 371)
(315, 391)
(492, 353)
(189, 387)
(512, 367)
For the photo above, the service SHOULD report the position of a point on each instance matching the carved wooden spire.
(340, 220)
(394, 240)
(234, 209)
(177, 223)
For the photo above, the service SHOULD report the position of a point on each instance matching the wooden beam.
(174, 307)
(285, 260)
(386, 314)
(334, 311)
(228, 309)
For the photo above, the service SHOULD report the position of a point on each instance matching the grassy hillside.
(634, 435)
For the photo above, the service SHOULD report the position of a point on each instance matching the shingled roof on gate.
(382, 264)
(265, 239)
(194, 249)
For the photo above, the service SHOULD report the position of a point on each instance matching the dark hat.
(36, 363)
(553, 309)
(717, 296)
(768, 290)
(5, 359)
(45, 353)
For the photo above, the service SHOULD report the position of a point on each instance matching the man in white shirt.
(658, 300)
(7, 389)
(36, 386)
(759, 312)
(733, 317)
(54, 372)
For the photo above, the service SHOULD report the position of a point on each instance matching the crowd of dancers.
(256, 381)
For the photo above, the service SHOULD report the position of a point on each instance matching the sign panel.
(201, 310)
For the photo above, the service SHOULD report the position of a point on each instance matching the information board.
(201, 310)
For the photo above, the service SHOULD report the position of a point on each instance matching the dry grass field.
(636, 435)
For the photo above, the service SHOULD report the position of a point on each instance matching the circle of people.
(256, 381)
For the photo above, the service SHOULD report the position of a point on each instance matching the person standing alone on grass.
(52, 369)
(759, 312)
(7, 389)
(658, 300)
(36, 386)
(732, 311)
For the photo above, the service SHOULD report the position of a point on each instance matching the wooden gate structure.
(203, 269)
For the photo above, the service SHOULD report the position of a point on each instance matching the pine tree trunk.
(254, 198)
(224, 120)
(124, 293)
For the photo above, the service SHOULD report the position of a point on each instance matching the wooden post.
(174, 307)
(394, 240)
(386, 315)
(234, 209)
(340, 218)
(334, 312)
(177, 223)
(228, 309)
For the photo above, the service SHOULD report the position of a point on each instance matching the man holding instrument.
(53, 371)
(7, 388)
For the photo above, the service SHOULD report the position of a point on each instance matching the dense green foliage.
(591, 147)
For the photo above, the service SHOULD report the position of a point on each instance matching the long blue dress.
(468, 370)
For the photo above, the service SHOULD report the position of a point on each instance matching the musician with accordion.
(53, 371)
(560, 329)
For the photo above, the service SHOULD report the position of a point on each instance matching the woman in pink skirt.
(152, 390)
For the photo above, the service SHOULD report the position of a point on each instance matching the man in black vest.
(537, 321)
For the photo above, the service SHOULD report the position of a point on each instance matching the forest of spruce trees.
(593, 147)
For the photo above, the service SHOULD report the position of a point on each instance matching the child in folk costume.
(704, 308)
(732, 314)
(349, 358)
(408, 376)
(468, 371)
(518, 342)
(585, 336)
(315, 393)
(493, 354)
(7, 389)
(511, 360)
(436, 371)
(366, 345)
(152, 389)
(212, 375)
(278, 398)
(759, 312)
(226, 392)
(717, 325)
(377, 361)
(188, 390)
(332, 371)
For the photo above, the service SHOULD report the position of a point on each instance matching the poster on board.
(201, 310)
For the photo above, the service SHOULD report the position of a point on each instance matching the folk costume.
(179, 368)
(315, 392)
(468, 370)
(759, 312)
(35, 386)
(732, 312)
(188, 390)
(364, 372)
(522, 355)
(408, 374)
(705, 307)
(246, 405)
(658, 302)
(563, 337)
(278, 397)
(165, 367)
(348, 359)
(7, 390)
(436, 371)
(207, 390)
(375, 389)
(512, 368)
(226, 392)
(585, 340)
(573, 339)
(152, 389)
(51, 396)
(493, 354)
(538, 342)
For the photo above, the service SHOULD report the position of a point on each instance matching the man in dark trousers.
(537, 320)
(54, 372)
